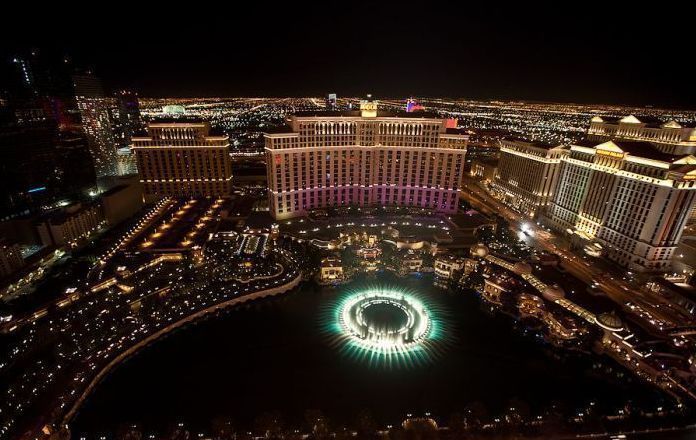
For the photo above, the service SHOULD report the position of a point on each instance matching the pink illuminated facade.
(364, 159)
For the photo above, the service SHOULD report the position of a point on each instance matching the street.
(657, 313)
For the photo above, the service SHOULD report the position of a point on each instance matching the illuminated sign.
(368, 109)
(612, 154)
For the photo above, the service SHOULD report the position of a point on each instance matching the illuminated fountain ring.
(385, 321)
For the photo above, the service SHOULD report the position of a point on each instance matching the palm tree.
(269, 425)
(222, 428)
(317, 424)
(366, 428)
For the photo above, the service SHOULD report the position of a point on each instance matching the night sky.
(592, 53)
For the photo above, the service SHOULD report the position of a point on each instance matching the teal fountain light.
(386, 325)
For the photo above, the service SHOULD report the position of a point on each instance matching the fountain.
(385, 320)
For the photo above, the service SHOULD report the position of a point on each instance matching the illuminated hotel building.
(127, 122)
(96, 123)
(70, 224)
(626, 198)
(181, 159)
(362, 159)
(11, 258)
(669, 137)
(527, 174)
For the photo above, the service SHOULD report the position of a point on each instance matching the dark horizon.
(601, 56)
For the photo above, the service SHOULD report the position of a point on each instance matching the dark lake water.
(276, 355)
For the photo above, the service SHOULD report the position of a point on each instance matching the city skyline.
(347, 220)
(391, 232)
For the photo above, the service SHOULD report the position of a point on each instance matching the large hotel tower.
(340, 159)
(669, 137)
(629, 197)
(527, 174)
(96, 123)
(181, 159)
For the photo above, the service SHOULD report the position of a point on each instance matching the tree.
(475, 414)
(366, 427)
(269, 425)
(343, 433)
(554, 419)
(421, 429)
(517, 412)
(222, 428)
(457, 426)
(317, 424)
(129, 432)
(177, 432)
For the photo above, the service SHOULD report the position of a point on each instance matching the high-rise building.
(331, 101)
(88, 85)
(96, 123)
(6, 116)
(74, 165)
(527, 174)
(126, 123)
(11, 258)
(26, 75)
(413, 106)
(481, 152)
(127, 120)
(669, 137)
(125, 162)
(70, 225)
(122, 201)
(41, 165)
(484, 169)
(40, 88)
(626, 198)
(26, 169)
(182, 159)
(363, 158)
(44, 160)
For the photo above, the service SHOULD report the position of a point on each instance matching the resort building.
(11, 258)
(331, 270)
(365, 158)
(447, 266)
(484, 169)
(96, 123)
(411, 262)
(69, 225)
(481, 152)
(527, 174)
(122, 201)
(668, 137)
(182, 159)
(680, 295)
(627, 197)
(495, 286)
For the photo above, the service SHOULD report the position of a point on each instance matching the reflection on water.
(276, 355)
